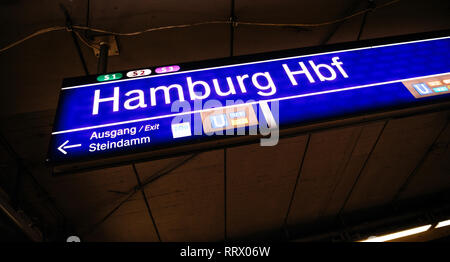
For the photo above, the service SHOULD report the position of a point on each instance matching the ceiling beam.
(350, 10)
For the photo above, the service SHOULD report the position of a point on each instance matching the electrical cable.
(97, 30)
(372, 5)
(235, 23)
(86, 42)
(320, 24)
(39, 32)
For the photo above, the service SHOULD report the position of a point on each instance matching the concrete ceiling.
(307, 183)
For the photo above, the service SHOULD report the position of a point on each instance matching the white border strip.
(400, 234)
(268, 100)
(443, 223)
(251, 63)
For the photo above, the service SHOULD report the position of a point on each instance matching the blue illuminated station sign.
(161, 107)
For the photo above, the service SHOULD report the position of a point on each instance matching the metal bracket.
(110, 40)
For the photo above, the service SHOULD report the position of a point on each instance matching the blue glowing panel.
(166, 106)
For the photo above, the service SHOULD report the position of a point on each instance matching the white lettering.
(270, 85)
(140, 98)
(303, 71)
(338, 64)
(240, 80)
(319, 74)
(98, 100)
(231, 89)
(166, 93)
(194, 95)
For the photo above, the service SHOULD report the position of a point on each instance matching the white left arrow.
(63, 146)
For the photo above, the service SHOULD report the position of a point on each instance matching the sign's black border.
(68, 82)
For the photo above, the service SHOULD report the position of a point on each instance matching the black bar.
(102, 58)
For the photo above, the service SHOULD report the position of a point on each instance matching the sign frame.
(215, 142)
